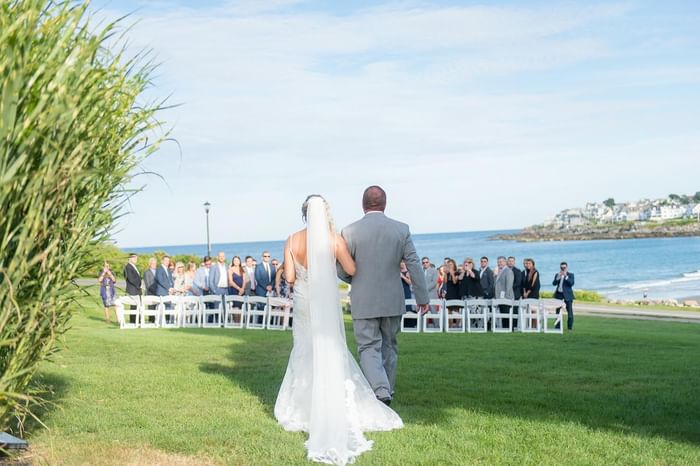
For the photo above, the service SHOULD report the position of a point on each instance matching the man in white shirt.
(218, 275)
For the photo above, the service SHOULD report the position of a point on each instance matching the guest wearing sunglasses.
(431, 277)
(265, 276)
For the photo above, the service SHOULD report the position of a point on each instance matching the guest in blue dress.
(106, 279)
(236, 280)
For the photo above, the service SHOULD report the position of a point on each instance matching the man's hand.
(423, 308)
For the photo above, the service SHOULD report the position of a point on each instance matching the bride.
(324, 392)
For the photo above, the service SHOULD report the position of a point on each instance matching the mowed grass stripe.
(612, 392)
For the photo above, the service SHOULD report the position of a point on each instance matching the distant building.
(657, 210)
(662, 213)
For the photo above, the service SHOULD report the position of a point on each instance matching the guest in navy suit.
(564, 281)
(164, 278)
(265, 276)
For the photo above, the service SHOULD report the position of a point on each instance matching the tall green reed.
(73, 127)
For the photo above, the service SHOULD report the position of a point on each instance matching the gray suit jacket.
(504, 283)
(379, 244)
(431, 277)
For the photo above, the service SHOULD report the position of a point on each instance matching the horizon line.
(275, 240)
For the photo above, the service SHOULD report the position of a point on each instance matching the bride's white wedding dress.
(324, 391)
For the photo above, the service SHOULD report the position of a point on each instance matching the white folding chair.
(124, 315)
(191, 312)
(278, 313)
(212, 310)
(171, 310)
(433, 323)
(255, 318)
(502, 309)
(150, 308)
(529, 316)
(477, 315)
(549, 312)
(234, 311)
(454, 316)
(412, 318)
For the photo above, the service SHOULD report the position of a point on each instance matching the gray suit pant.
(376, 343)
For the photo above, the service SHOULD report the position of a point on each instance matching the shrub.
(580, 295)
(71, 131)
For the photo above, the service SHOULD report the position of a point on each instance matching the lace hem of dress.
(356, 424)
(332, 456)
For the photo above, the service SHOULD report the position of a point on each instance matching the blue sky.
(471, 115)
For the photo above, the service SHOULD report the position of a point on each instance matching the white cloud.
(424, 99)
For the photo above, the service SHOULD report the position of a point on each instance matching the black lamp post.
(206, 211)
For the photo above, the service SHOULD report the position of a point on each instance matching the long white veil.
(328, 426)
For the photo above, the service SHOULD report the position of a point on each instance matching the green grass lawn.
(612, 392)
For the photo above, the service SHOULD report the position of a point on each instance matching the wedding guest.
(149, 277)
(441, 282)
(189, 278)
(179, 280)
(200, 284)
(218, 276)
(452, 286)
(517, 278)
(503, 286)
(564, 281)
(250, 276)
(517, 286)
(236, 279)
(531, 283)
(406, 283)
(282, 288)
(106, 279)
(164, 278)
(132, 276)
(470, 280)
(264, 276)
(171, 268)
(486, 278)
(133, 281)
(452, 283)
(275, 263)
(431, 277)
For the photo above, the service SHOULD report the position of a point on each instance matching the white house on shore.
(656, 210)
(667, 212)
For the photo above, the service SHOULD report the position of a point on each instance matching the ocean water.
(619, 269)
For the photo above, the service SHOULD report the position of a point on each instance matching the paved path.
(601, 310)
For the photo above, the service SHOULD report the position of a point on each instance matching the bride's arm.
(289, 273)
(342, 253)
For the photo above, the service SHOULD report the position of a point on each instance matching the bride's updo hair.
(305, 205)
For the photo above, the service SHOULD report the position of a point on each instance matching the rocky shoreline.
(595, 232)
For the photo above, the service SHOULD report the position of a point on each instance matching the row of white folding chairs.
(253, 312)
(472, 316)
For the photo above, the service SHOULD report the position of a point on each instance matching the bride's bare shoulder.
(297, 234)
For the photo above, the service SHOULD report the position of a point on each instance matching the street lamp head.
(206, 207)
